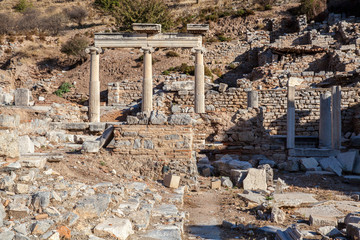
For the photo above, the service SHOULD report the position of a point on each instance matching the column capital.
(147, 50)
(93, 50)
(198, 49)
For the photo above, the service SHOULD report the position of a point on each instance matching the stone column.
(290, 140)
(253, 99)
(325, 121)
(336, 117)
(199, 80)
(94, 88)
(147, 93)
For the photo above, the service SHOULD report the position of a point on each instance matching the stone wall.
(150, 149)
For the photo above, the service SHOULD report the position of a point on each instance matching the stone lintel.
(142, 40)
(150, 28)
(197, 28)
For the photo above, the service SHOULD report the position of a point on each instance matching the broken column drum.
(253, 99)
(147, 92)
(94, 89)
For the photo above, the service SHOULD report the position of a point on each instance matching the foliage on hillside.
(314, 9)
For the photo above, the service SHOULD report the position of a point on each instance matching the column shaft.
(336, 117)
(147, 82)
(199, 81)
(290, 141)
(253, 99)
(94, 88)
(325, 121)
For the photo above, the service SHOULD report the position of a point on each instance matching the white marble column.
(290, 140)
(94, 85)
(336, 117)
(147, 94)
(199, 80)
(325, 121)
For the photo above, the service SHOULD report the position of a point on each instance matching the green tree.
(22, 5)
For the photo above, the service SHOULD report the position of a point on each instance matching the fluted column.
(147, 93)
(199, 80)
(94, 84)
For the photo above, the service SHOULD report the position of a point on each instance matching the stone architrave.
(147, 93)
(336, 117)
(290, 140)
(325, 121)
(199, 80)
(94, 94)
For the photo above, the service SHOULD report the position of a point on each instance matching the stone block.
(331, 164)
(22, 97)
(116, 227)
(222, 87)
(7, 121)
(226, 182)
(146, 28)
(26, 145)
(330, 231)
(92, 206)
(33, 162)
(308, 164)
(237, 177)
(9, 144)
(352, 218)
(269, 174)
(353, 231)
(320, 220)
(347, 159)
(97, 127)
(255, 180)
(91, 146)
(171, 181)
(216, 184)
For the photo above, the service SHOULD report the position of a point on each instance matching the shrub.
(53, 24)
(107, 5)
(172, 54)
(6, 23)
(217, 72)
(142, 11)
(75, 47)
(166, 72)
(77, 14)
(22, 6)
(28, 21)
(244, 13)
(64, 88)
(223, 38)
(313, 8)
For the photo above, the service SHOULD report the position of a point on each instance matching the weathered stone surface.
(165, 210)
(308, 164)
(267, 161)
(347, 159)
(227, 162)
(41, 227)
(163, 233)
(352, 218)
(7, 183)
(97, 126)
(28, 162)
(7, 235)
(158, 118)
(9, 144)
(12, 167)
(293, 199)
(253, 197)
(216, 184)
(7, 121)
(277, 215)
(22, 97)
(321, 211)
(180, 119)
(226, 182)
(353, 231)
(321, 220)
(330, 231)
(119, 227)
(41, 200)
(26, 145)
(237, 177)
(91, 146)
(93, 206)
(171, 181)
(255, 180)
(2, 214)
(331, 164)
(269, 174)
(106, 137)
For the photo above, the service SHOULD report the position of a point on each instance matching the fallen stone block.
(320, 220)
(33, 162)
(75, 126)
(11, 167)
(293, 199)
(330, 231)
(321, 211)
(255, 180)
(277, 215)
(291, 233)
(308, 164)
(269, 174)
(226, 182)
(228, 162)
(331, 164)
(93, 206)
(97, 127)
(237, 177)
(26, 145)
(352, 218)
(216, 184)
(347, 159)
(171, 181)
(253, 197)
(9, 122)
(91, 146)
(106, 137)
(353, 231)
(22, 97)
(118, 227)
(9, 144)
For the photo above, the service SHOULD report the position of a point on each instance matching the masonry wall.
(147, 149)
